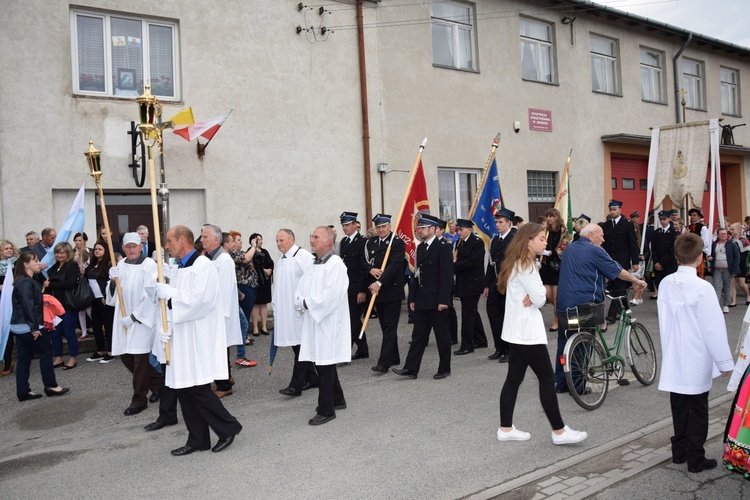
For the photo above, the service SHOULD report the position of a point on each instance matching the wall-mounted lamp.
(567, 20)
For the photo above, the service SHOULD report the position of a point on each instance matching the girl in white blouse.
(524, 330)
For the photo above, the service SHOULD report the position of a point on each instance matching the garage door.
(629, 184)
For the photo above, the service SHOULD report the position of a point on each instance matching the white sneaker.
(512, 435)
(569, 436)
(725, 310)
(636, 302)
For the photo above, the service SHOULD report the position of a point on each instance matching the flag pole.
(563, 178)
(390, 241)
(480, 188)
(93, 156)
(202, 147)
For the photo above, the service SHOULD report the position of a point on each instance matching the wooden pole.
(480, 188)
(157, 241)
(390, 242)
(120, 300)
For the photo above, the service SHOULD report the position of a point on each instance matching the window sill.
(731, 115)
(697, 109)
(655, 102)
(475, 71)
(605, 93)
(122, 98)
(554, 84)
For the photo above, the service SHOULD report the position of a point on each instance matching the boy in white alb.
(694, 349)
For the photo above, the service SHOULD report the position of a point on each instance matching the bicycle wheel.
(641, 354)
(587, 376)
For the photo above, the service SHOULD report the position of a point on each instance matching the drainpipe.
(677, 79)
(365, 114)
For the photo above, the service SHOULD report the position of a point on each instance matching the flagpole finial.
(424, 143)
(496, 141)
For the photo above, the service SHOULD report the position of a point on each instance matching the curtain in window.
(160, 60)
(442, 45)
(447, 194)
(467, 188)
(90, 35)
(128, 57)
(465, 49)
(647, 91)
(597, 74)
(528, 61)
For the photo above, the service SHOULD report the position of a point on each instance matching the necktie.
(179, 264)
(614, 223)
(283, 256)
(145, 249)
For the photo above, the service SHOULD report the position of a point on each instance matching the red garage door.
(629, 184)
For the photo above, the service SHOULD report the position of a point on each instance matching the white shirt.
(693, 334)
(524, 325)
(292, 265)
(138, 285)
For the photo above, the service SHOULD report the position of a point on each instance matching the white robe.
(693, 333)
(198, 341)
(138, 284)
(326, 331)
(287, 329)
(229, 298)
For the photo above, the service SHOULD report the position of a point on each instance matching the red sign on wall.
(540, 120)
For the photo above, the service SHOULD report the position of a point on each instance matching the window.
(628, 183)
(542, 186)
(604, 69)
(453, 35)
(537, 62)
(614, 182)
(730, 101)
(652, 76)
(115, 55)
(692, 80)
(643, 184)
(456, 191)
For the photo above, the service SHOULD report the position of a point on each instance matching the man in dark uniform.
(468, 266)
(452, 316)
(351, 250)
(388, 284)
(433, 278)
(495, 299)
(621, 244)
(581, 221)
(662, 249)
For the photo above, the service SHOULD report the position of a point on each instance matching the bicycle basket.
(585, 315)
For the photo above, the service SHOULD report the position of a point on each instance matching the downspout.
(365, 114)
(677, 80)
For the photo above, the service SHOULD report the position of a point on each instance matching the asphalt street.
(398, 438)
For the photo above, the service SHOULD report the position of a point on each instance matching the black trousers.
(355, 319)
(690, 419)
(27, 346)
(226, 384)
(330, 393)
(388, 315)
(472, 329)
(617, 288)
(145, 377)
(453, 320)
(303, 372)
(496, 315)
(102, 318)
(424, 321)
(536, 357)
(167, 401)
(201, 410)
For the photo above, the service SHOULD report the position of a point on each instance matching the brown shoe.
(7, 370)
(221, 394)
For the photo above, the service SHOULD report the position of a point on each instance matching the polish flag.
(206, 129)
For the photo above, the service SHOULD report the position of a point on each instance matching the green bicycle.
(588, 361)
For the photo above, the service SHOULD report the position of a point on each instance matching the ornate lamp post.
(93, 158)
(149, 110)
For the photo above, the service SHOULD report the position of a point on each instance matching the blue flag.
(490, 199)
(73, 224)
(6, 310)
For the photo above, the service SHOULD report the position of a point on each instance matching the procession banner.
(73, 224)
(6, 309)
(562, 202)
(489, 200)
(416, 204)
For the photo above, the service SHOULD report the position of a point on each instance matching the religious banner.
(681, 163)
(562, 202)
(416, 204)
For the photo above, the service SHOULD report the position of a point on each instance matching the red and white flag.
(416, 204)
(206, 129)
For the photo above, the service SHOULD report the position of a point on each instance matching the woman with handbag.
(102, 315)
(552, 257)
(264, 266)
(26, 325)
(63, 276)
(524, 331)
(82, 257)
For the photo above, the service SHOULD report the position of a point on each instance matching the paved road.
(397, 439)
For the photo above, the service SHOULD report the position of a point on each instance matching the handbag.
(80, 296)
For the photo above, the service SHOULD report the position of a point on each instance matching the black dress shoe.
(288, 391)
(461, 352)
(561, 390)
(308, 385)
(154, 397)
(133, 410)
(706, 464)
(361, 355)
(50, 393)
(404, 372)
(185, 450)
(480, 346)
(503, 358)
(679, 461)
(410, 321)
(454, 342)
(155, 426)
(495, 355)
(379, 368)
(321, 419)
(223, 444)
(28, 396)
(610, 320)
(440, 376)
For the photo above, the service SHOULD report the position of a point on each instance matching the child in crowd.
(694, 349)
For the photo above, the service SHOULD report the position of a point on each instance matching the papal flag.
(416, 204)
(206, 129)
(73, 224)
(490, 199)
(562, 202)
(184, 117)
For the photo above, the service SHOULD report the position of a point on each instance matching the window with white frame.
(604, 70)
(537, 51)
(116, 54)
(730, 91)
(456, 191)
(453, 35)
(541, 186)
(693, 84)
(652, 75)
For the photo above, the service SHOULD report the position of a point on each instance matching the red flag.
(206, 129)
(416, 204)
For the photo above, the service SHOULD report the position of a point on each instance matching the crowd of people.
(148, 311)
